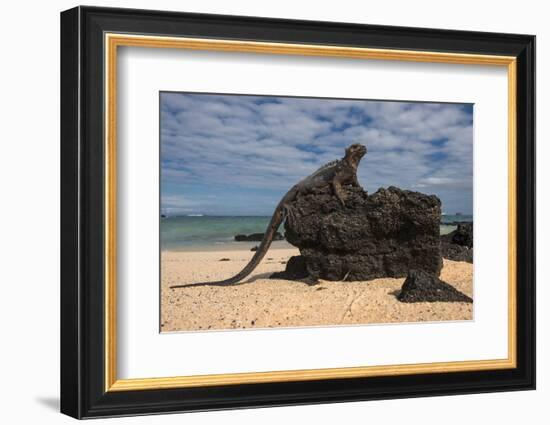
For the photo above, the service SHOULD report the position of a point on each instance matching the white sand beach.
(260, 302)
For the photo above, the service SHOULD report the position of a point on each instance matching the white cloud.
(246, 144)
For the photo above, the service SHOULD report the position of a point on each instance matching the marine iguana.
(336, 174)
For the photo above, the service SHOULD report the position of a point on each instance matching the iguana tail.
(276, 220)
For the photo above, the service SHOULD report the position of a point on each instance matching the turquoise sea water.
(448, 222)
(189, 232)
(186, 233)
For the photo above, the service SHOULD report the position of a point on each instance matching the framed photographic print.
(261, 212)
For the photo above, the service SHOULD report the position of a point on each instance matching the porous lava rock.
(295, 269)
(424, 287)
(385, 234)
(459, 244)
(256, 237)
(464, 235)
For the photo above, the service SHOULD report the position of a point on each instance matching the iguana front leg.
(339, 191)
(289, 214)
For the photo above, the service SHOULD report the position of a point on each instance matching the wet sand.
(260, 302)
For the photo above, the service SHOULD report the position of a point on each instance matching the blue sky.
(237, 155)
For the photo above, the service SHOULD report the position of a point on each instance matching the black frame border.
(82, 205)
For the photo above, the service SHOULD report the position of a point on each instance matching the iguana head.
(354, 153)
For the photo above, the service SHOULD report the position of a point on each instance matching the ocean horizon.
(213, 232)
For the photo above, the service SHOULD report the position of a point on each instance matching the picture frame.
(90, 40)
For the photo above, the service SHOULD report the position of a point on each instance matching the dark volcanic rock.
(256, 237)
(458, 245)
(464, 235)
(295, 269)
(423, 287)
(381, 235)
(456, 252)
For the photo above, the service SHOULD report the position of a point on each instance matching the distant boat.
(195, 215)
(162, 216)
